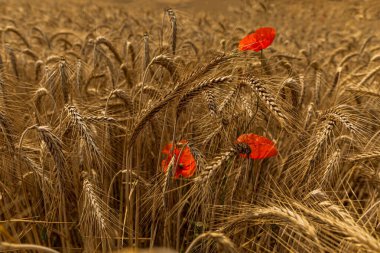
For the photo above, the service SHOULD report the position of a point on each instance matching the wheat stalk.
(365, 156)
(26, 246)
(369, 76)
(364, 91)
(317, 87)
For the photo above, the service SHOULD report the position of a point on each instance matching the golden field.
(92, 93)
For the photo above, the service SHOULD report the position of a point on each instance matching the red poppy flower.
(259, 40)
(260, 146)
(184, 160)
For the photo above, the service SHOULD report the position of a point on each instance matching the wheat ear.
(64, 78)
(267, 98)
(226, 244)
(104, 41)
(166, 62)
(173, 22)
(18, 33)
(203, 86)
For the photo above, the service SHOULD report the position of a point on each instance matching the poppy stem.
(173, 137)
(256, 173)
(254, 116)
(264, 64)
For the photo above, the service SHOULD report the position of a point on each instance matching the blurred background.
(183, 5)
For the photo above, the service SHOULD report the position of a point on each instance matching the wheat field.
(92, 92)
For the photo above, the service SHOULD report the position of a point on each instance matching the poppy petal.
(164, 165)
(248, 42)
(261, 147)
(188, 171)
(182, 142)
(263, 151)
(186, 163)
(259, 40)
(166, 150)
